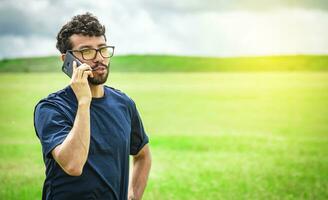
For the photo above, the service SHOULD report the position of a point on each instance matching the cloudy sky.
(182, 27)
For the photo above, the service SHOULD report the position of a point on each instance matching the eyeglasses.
(91, 53)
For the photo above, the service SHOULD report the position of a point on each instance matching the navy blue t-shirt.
(116, 133)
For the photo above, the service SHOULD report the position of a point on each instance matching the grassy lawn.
(249, 135)
(171, 63)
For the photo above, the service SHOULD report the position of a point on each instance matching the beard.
(98, 80)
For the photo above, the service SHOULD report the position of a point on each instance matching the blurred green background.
(220, 128)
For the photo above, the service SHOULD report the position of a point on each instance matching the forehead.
(78, 41)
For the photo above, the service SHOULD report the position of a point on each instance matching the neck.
(97, 91)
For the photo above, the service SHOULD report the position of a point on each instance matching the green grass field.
(169, 63)
(213, 136)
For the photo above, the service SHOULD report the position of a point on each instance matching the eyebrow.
(90, 47)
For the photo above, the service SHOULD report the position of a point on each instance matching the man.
(88, 130)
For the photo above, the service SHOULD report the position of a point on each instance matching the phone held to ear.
(67, 67)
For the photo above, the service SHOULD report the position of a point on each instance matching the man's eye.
(104, 50)
(86, 51)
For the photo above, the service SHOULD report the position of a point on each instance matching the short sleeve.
(138, 136)
(51, 126)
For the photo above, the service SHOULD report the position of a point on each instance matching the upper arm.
(144, 152)
(138, 136)
(51, 126)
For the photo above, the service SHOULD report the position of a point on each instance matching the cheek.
(106, 61)
(80, 58)
(91, 64)
(88, 62)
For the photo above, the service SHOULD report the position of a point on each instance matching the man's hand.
(79, 83)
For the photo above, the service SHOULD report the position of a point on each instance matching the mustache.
(99, 65)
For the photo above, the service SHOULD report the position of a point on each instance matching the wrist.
(84, 103)
(132, 198)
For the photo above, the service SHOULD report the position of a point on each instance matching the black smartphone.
(67, 67)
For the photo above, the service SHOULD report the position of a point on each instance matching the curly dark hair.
(85, 24)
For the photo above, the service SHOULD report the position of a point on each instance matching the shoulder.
(123, 98)
(119, 95)
(57, 100)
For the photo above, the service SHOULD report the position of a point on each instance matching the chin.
(98, 80)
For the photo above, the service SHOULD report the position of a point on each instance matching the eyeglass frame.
(97, 50)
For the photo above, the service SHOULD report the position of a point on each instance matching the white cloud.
(19, 46)
(274, 32)
(226, 34)
(215, 28)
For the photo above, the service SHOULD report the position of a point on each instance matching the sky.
(217, 28)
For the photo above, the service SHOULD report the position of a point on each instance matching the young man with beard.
(88, 130)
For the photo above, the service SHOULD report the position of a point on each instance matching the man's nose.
(98, 57)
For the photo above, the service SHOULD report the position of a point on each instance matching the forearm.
(140, 172)
(73, 152)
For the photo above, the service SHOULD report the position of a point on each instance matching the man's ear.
(63, 57)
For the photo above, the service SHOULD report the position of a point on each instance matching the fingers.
(74, 74)
(74, 65)
(81, 70)
(86, 74)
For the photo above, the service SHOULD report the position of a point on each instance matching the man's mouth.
(99, 67)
